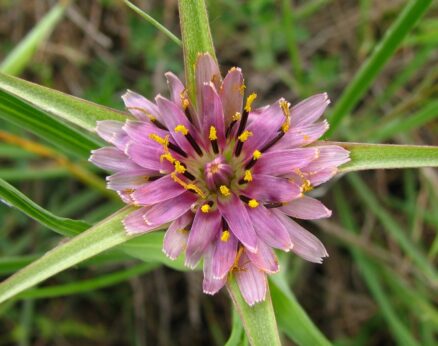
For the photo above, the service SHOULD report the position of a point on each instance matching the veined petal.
(204, 229)
(306, 245)
(173, 116)
(140, 132)
(112, 159)
(309, 110)
(134, 223)
(236, 215)
(145, 156)
(140, 106)
(167, 211)
(269, 229)
(301, 136)
(265, 259)
(251, 280)
(330, 156)
(306, 208)
(112, 132)
(157, 191)
(267, 188)
(175, 239)
(264, 127)
(231, 94)
(128, 180)
(212, 114)
(206, 71)
(211, 285)
(283, 162)
(224, 254)
(176, 87)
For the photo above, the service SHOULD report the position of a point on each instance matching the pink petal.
(265, 259)
(175, 239)
(330, 156)
(112, 159)
(134, 223)
(301, 136)
(170, 210)
(264, 127)
(269, 229)
(212, 114)
(211, 285)
(176, 87)
(128, 180)
(145, 156)
(140, 106)
(112, 132)
(224, 255)
(231, 93)
(234, 212)
(140, 132)
(204, 229)
(306, 208)
(284, 161)
(306, 245)
(267, 188)
(251, 280)
(309, 110)
(157, 191)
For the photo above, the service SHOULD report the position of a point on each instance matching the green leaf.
(386, 156)
(64, 226)
(375, 63)
(19, 58)
(66, 138)
(196, 37)
(103, 236)
(292, 319)
(65, 107)
(258, 320)
(154, 22)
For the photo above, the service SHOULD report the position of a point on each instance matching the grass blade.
(19, 58)
(374, 64)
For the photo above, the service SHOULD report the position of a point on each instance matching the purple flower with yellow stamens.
(223, 177)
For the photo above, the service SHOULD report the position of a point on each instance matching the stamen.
(160, 140)
(255, 156)
(248, 175)
(150, 116)
(225, 236)
(224, 190)
(285, 108)
(272, 142)
(242, 139)
(167, 156)
(273, 205)
(249, 102)
(235, 118)
(177, 149)
(179, 168)
(182, 129)
(205, 208)
(245, 114)
(213, 138)
(253, 203)
(189, 187)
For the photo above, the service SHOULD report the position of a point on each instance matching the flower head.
(225, 177)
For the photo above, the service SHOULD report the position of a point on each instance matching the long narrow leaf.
(375, 63)
(63, 106)
(18, 59)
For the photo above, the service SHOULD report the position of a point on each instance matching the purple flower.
(223, 177)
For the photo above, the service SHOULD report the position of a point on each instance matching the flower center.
(217, 172)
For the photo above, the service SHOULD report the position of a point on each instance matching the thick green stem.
(196, 37)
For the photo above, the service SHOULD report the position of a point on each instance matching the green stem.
(258, 320)
(196, 37)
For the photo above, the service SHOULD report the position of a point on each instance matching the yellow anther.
(224, 190)
(192, 187)
(225, 236)
(213, 135)
(249, 102)
(182, 129)
(307, 186)
(242, 89)
(245, 135)
(179, 168)
(167, 156)
(185, 103)
(248, 175)
(256, 154)
(205, 208)
(236, 116)
(253, 203)
(160, 140)
(285, 108)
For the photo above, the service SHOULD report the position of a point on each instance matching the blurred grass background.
(376, 288)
